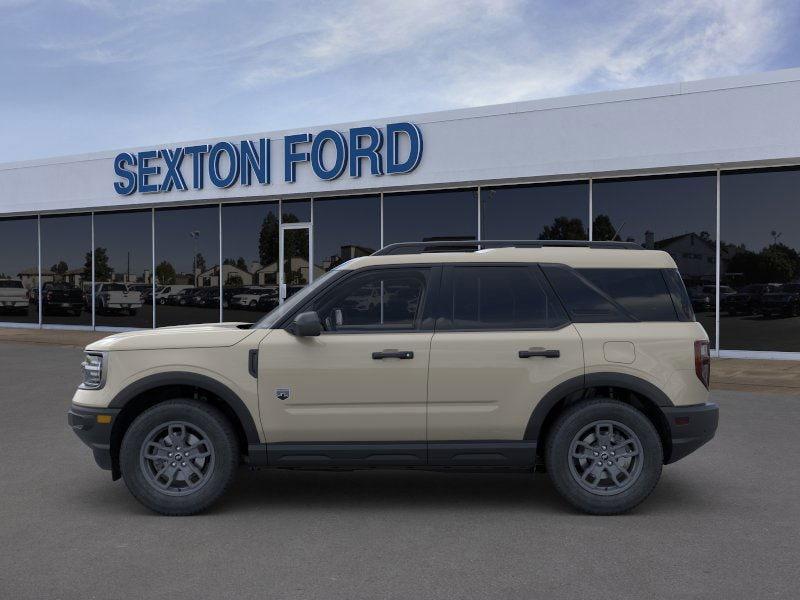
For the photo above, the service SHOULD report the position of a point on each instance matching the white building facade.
(708, 171)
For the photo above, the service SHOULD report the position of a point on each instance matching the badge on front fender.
(283, 393)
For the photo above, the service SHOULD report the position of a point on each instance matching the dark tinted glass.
(642, 292)
(558, 211)
(584, 302)
(493, 298)
(345, 228)
(123, 264)
(187, 255)
(67, 262)
(249, 260)
(296, 211)
(19, 270)
(379, 300)
(759, 213)
(680, 298)
(427, 216)
(676, 214)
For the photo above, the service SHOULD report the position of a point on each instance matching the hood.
(210, 335)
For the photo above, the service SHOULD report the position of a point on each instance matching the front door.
(295, 269)
(501, 343)
(363, 381)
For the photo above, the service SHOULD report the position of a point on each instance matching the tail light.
(702, 361)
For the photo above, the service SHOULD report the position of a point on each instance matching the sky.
(88, 75)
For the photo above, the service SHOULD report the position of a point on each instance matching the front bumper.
(690, 427)
(97, 436)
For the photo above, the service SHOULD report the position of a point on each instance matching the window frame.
(444, 322)
(425, 320)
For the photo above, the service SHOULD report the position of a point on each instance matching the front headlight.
(92, 368)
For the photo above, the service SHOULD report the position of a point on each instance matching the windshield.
(298, 298)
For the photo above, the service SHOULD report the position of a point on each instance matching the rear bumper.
(690, 427)
(97, 436)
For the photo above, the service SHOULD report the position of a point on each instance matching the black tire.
(564, 469)
(221, 469)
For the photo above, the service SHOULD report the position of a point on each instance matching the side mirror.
(306, 324)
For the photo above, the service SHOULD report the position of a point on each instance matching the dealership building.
(208, 230)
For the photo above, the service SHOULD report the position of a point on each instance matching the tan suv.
(580, 358)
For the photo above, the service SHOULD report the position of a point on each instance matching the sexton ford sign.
(225, 164)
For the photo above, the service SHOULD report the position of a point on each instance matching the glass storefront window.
(430, 216)
(249, 260)
(760, 260)
(123, 265)
(187, 270)
(19, 270)
(674, 213)
(345, 228)
(66, 269)
(550, 211)
(296, 211)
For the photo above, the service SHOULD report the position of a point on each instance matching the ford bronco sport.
(582, 359)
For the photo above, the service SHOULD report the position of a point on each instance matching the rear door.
(502, 342)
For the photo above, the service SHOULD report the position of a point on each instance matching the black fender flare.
(194, 380)
(582, 382)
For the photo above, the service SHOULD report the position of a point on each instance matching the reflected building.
(705, 171)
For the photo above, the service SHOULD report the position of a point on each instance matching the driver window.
(379, 300)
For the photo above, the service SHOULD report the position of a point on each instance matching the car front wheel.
(179, 457)
(604, 456)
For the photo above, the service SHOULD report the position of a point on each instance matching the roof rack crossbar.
(472, 245)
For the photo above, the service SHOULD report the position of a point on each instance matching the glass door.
(295, 258)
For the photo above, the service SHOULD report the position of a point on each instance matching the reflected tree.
(102, 270)
(564, 228)
(604, 230)
(165, 273)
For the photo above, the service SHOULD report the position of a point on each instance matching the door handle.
(401, 354)
(533, 352)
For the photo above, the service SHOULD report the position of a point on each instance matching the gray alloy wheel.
(603, 456)
(606, 457)
(177, 458)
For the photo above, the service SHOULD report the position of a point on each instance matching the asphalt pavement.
(723, 523)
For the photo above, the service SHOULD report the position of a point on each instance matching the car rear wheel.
(179, 457)
(604, 456)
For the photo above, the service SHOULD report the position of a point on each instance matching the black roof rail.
(473, 245)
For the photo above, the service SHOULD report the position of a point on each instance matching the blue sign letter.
(290, 157)
(197, 152)
(393, 131)
(145, 171)
(253, 161)
(120, 161)
(233, 161)
(328, 135)
(173, 176)
(371, 151)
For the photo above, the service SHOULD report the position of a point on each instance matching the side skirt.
(501, 454)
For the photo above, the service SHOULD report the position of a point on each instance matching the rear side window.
(585, 302)
(680, 298)
(642, 292)
(10, 284)
(500, 297)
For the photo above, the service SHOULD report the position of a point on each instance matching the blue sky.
(86, 75)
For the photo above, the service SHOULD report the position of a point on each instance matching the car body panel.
(479, 387)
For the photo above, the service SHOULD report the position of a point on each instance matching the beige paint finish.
(579, 258)
(339, 392)
(619, 352)
(479, 388)
(664, 355)
(226, 364)
(211, 335)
